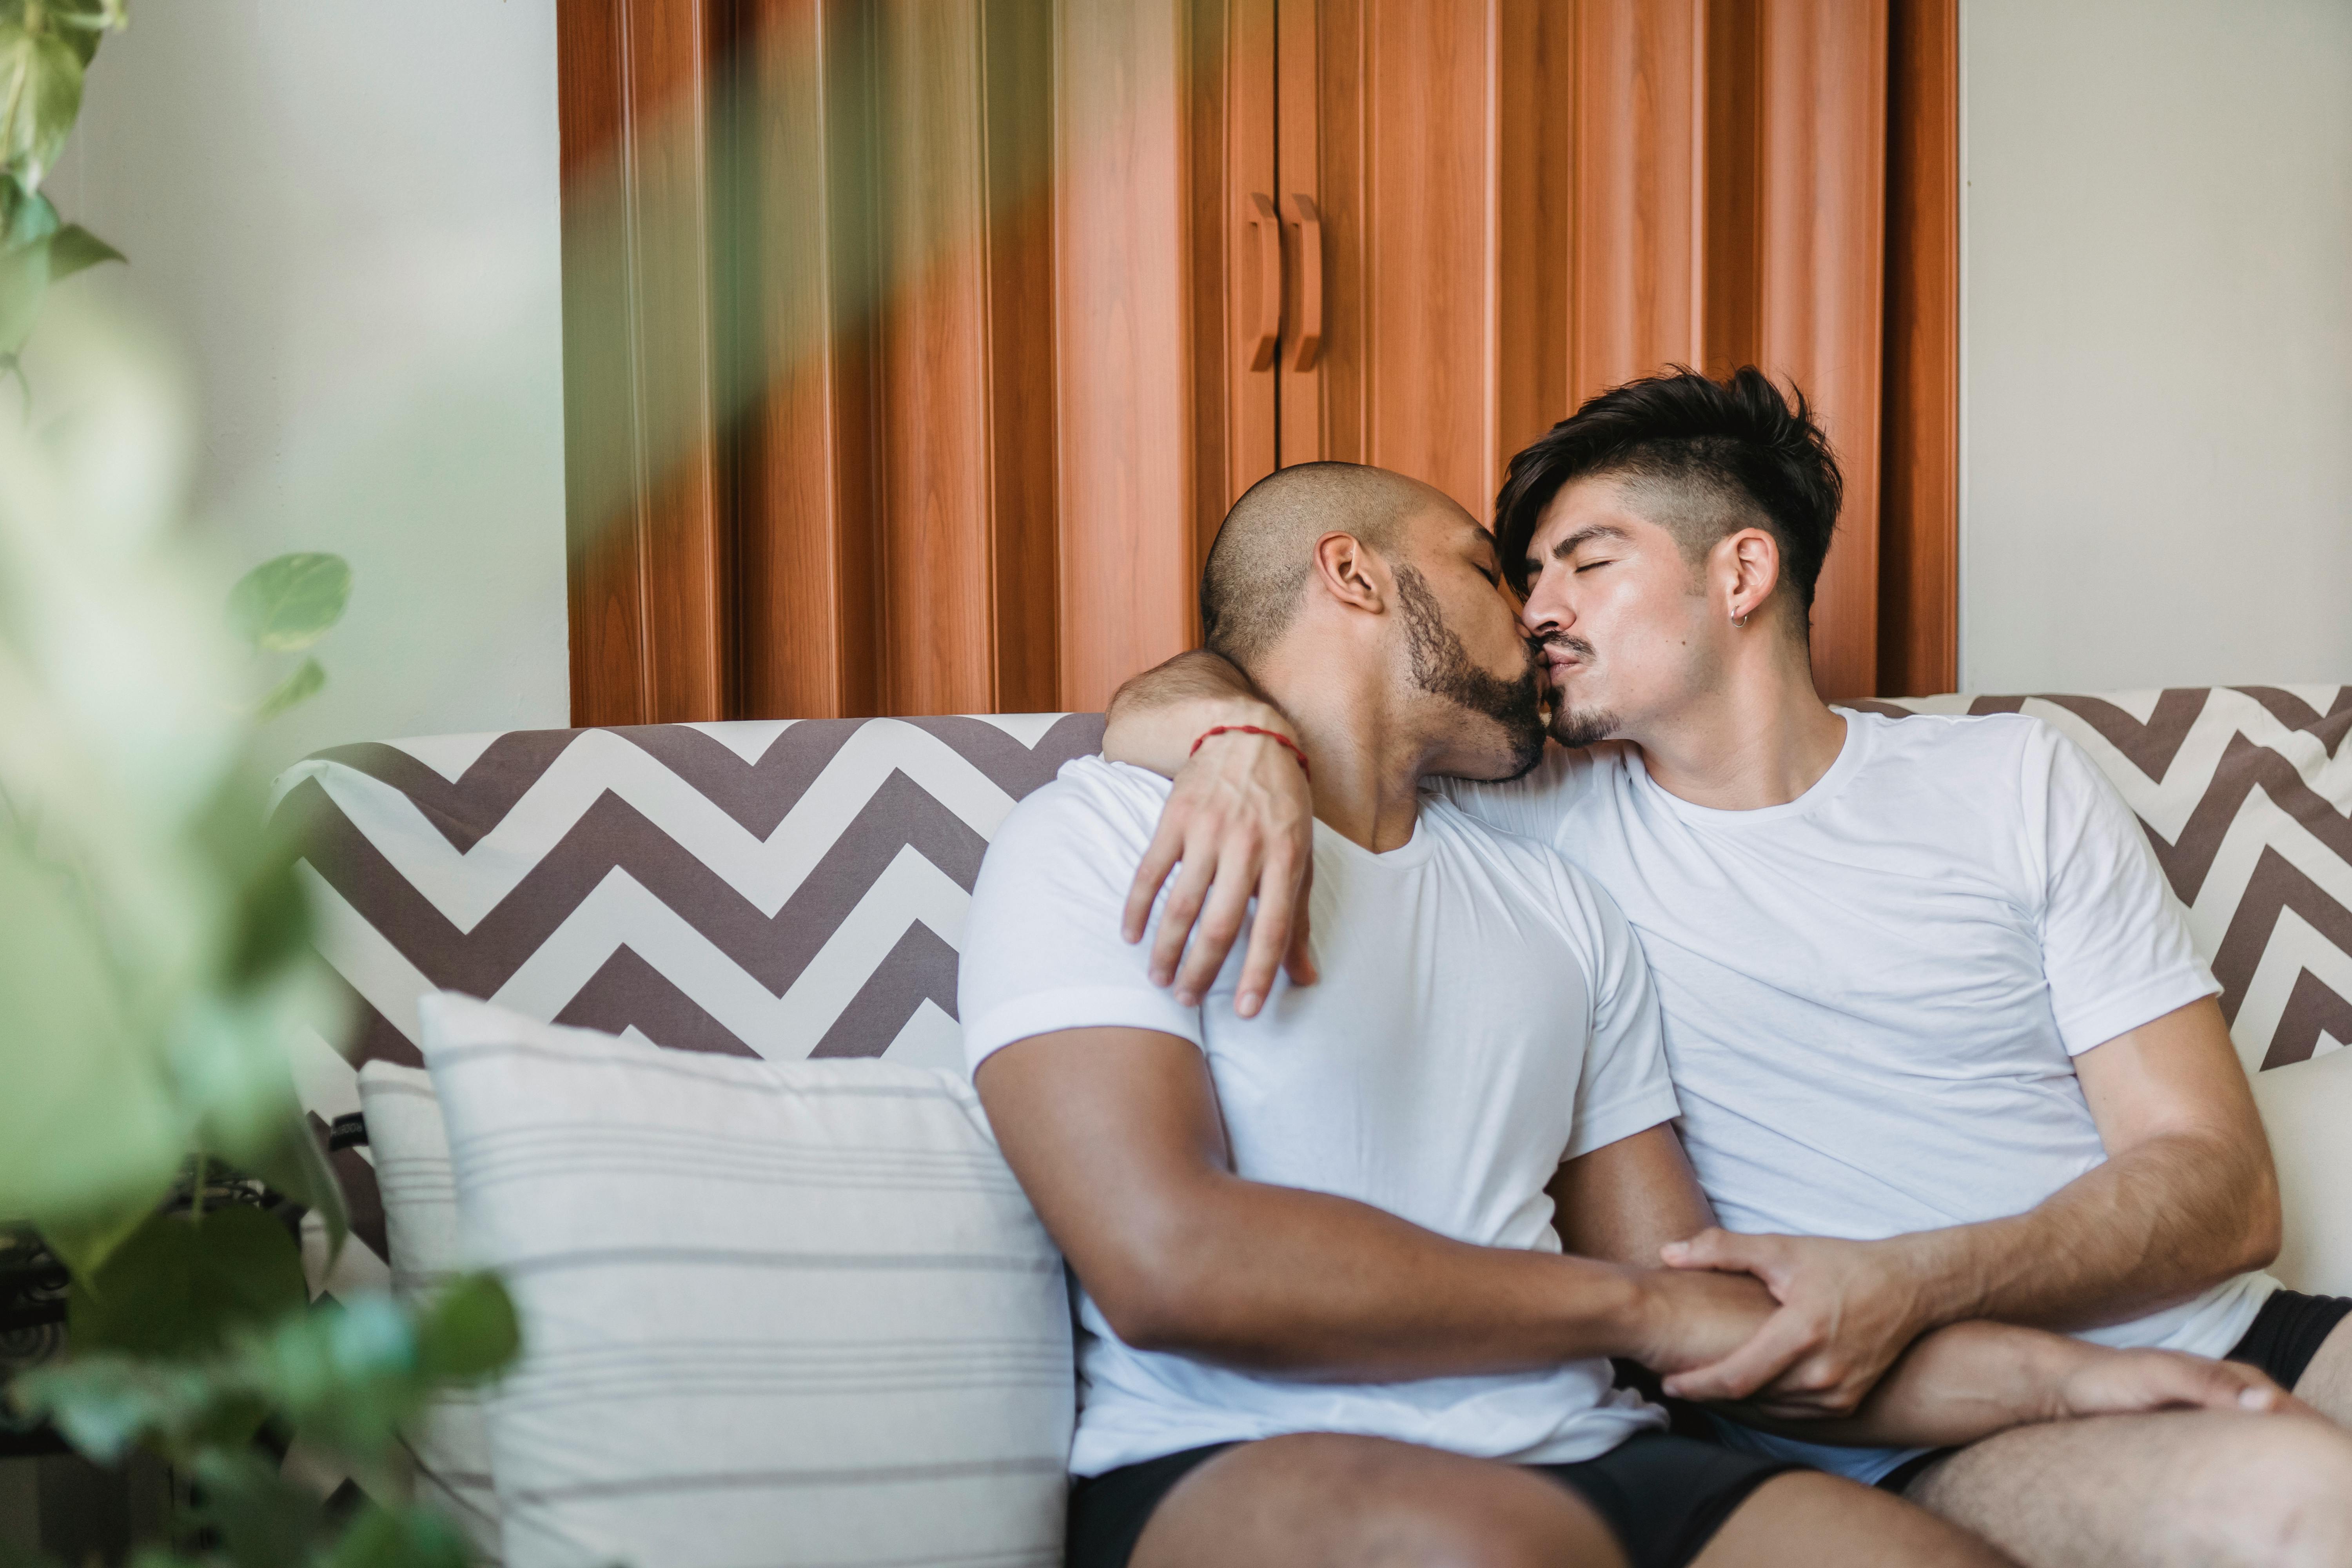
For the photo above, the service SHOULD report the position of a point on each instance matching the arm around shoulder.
(1155, 717)
(1240, 822)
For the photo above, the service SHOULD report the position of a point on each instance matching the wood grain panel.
(1919, 565)
(1730, 330)
(1823, 110)
(1308, 35)
(808, 639)
(1403, 142)
(1125, 380)
(1530, 207)
(1020, 403)
(1639, 258)
(932, 475)
(1246, 156)
(643, 510)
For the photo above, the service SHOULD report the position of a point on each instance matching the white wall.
(345, 213)
(2156, 328)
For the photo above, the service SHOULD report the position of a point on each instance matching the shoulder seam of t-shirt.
(1068, 1007)
(2119, 1012)
(1622, 1118)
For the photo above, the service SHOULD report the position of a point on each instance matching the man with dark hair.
(1942, 1044)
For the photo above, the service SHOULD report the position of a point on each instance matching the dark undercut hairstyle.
(1257, 570)
(1702, 459)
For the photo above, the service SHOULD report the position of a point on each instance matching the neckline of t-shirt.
(1412, 852)
(1825, 788)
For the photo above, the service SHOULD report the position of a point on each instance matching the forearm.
(1308, 1285)
(2153, 1227)
(1155, 717)
(1952, 1386)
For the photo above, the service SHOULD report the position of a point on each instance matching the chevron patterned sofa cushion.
(797, 889)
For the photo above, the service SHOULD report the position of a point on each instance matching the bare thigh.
(1807, 1519)
(2186, 1489)
(1320, 1501)
(2326, 1383)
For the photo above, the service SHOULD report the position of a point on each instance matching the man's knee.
(1318, 1497)
(2279, 1496)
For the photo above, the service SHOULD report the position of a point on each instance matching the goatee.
(1442, 666)
(1578, 728)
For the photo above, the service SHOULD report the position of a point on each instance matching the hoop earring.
(1741, 620)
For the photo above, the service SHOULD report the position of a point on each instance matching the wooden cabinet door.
(1385, 139)
(1385, 133)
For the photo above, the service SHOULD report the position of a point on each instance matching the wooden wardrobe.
(914, 348)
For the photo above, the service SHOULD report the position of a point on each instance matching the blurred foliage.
(285, 606)
(156, 975)
(46, 46)
(341, 1379)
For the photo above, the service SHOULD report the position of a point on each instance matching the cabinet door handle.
(1270, 283)
(1311, 281)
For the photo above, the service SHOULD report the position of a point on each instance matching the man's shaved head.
(1258, 567)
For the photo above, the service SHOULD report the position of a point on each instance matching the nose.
(1545, 610)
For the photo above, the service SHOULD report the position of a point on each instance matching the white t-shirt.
(1483, 1014)
(1873, 994)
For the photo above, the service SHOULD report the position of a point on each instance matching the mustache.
(1564, 641)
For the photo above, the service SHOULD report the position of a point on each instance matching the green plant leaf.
(74, 248)
(298, 1167)
(82, 23)
(283, 606)
(307, 681)
(347, 1375)
(27, 223)
(40, 94)
(89, 1124)
(182, 1283)
(106, 1405)
(84, 1242)
(470, 1331)
(262, 1519)
(399, 1538)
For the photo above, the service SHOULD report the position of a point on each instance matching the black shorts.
(2281, 1340)
(1663, 1497)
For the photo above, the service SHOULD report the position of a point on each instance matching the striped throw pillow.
(449, 1445)
(774, 1312)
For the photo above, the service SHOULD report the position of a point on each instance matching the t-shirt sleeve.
(2114, 943)
(1041, 945)
(1624, 1087)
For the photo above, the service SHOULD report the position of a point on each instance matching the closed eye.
(1590, 565)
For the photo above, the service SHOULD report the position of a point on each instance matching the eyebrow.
(1568, 547)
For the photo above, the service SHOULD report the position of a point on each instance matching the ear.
(1747, 566)
(1349, 572)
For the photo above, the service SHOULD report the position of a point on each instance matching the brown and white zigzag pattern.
(2246, 795)
(779, 888)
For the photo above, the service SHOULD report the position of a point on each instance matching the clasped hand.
(1845, 1310)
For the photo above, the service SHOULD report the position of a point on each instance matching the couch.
(796, 890)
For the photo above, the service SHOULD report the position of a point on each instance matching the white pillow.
(774, 1312)
(2305, 1109)
(451, 1441)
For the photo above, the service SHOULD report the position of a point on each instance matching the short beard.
(1443, 667)
(1577, 729)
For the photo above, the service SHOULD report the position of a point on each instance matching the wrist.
(2047, 1363)
(1241, 714)
(1627, 1316)
(1939, 1276)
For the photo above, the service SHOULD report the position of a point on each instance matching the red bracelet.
(1276, 736)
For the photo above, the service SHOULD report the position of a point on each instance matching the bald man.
(1327, 1314)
